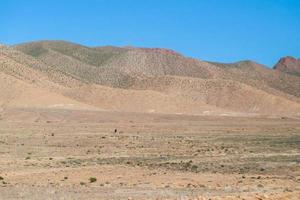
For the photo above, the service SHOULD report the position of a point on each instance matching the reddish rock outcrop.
(288, 64)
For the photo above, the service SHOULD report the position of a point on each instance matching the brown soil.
(54, 153)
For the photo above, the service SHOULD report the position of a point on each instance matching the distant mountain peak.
(288, 59)
(288, 64)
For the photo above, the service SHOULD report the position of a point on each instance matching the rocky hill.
(289, 64)
(145, 80)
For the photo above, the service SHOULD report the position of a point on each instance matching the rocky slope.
(147, 80)
(16, 93)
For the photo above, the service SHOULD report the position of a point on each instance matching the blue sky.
(214, 30)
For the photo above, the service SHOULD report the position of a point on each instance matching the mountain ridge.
(151, 79)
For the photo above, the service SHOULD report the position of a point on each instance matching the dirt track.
(53, 154)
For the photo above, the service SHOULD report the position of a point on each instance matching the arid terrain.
(56, 154)
(82, 122)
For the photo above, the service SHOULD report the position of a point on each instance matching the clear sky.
(214, 30)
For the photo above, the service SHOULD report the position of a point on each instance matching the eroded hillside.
(144, 80)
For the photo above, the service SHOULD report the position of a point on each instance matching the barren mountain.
(145, 80)
(289, 64)
(119, 67)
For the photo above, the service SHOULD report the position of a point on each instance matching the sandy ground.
(64, 154)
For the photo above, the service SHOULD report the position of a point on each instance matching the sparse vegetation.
(82, 183)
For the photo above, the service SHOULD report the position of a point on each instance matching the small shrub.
(194, 168)
(93, 179)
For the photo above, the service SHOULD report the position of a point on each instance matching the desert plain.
(75, 154)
